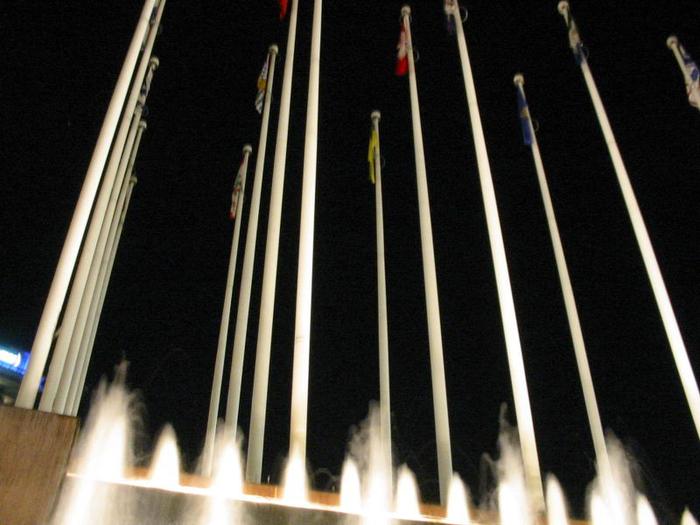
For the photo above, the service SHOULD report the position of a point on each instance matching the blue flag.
(524, 114)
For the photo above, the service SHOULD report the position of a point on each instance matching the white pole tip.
(672, 41)
(154, 62)
(274, 49)
(143, 125)
(406, 10)
(563, 7)
(376, 115)
(518, 79)
(247, 149)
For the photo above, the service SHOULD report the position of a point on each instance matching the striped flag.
(283, 9)
(262, 85)
(692, 78)
(402, 55)
(450, 9)
(524, 114)
(574, 37)
(373, 146)
(237, 185)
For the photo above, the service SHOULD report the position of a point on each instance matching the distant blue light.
(14, 360)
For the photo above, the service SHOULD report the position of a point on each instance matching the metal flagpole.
(526, 430)
(241, 329)
(685, 62)
(223, 327)
(382, 322)
(437, 365)
(75, 400)
(223, 331)
(302, 324)
(85, 349)
(680, 354)
(77, 383)
(258, 409)
(69, 254)
(95, 244)
(63, 360)
(601, 451)
(239, 337)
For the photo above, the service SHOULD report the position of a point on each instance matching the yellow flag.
(373, 145)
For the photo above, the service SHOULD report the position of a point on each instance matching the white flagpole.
(93, 251)
(66, 262)
(437, 365)
(72, 325)
(241, 329)
(85, 349)
(526, 430)
(223, 327)
(239, 337)
(693, 91)
(601, 450)
(77, 383)
(680, 354)
(302, 324)
(258, 409)
(382, 317)
(75, 400)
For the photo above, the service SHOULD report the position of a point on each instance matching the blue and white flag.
(524, 114)
(262, 86)
(692, 78)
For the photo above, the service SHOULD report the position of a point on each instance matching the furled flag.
(237, 186)
(450, 9)
(524, 114)
(262, 85)
(283, 9)
(692, 82)
(402, 56)
(373, 146)
(574, 38)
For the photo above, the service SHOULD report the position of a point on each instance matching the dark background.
(60, 63)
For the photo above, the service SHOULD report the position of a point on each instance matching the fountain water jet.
(556, 503)
(350, 488)
(458, 502)
(165, 467)
(406, 503)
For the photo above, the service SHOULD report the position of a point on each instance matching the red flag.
(237, 186)
(402, 56)
(283, 9)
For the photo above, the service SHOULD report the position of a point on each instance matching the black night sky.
(60, 63)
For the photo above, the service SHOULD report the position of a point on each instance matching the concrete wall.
(34, 451)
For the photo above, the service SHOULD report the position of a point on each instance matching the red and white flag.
(402, 55)
(237, 185)
(283, 9)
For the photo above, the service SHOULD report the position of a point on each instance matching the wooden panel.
(34, 451)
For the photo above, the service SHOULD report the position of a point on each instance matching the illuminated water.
(104, 486)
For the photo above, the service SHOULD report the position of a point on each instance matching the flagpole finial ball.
(672, 41)
(376, 115)
(274, 49)
(518, 79)
(154, 62)
(406, 10)
(563, 7)
(247, 149)
(143, 125)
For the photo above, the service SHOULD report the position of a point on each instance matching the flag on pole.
(402, 55)
(574, 37)
(373, 146)
(237, 185)
(450, 9)
(262, 85)
(283, 9)
(692, 82)
(524, 114)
